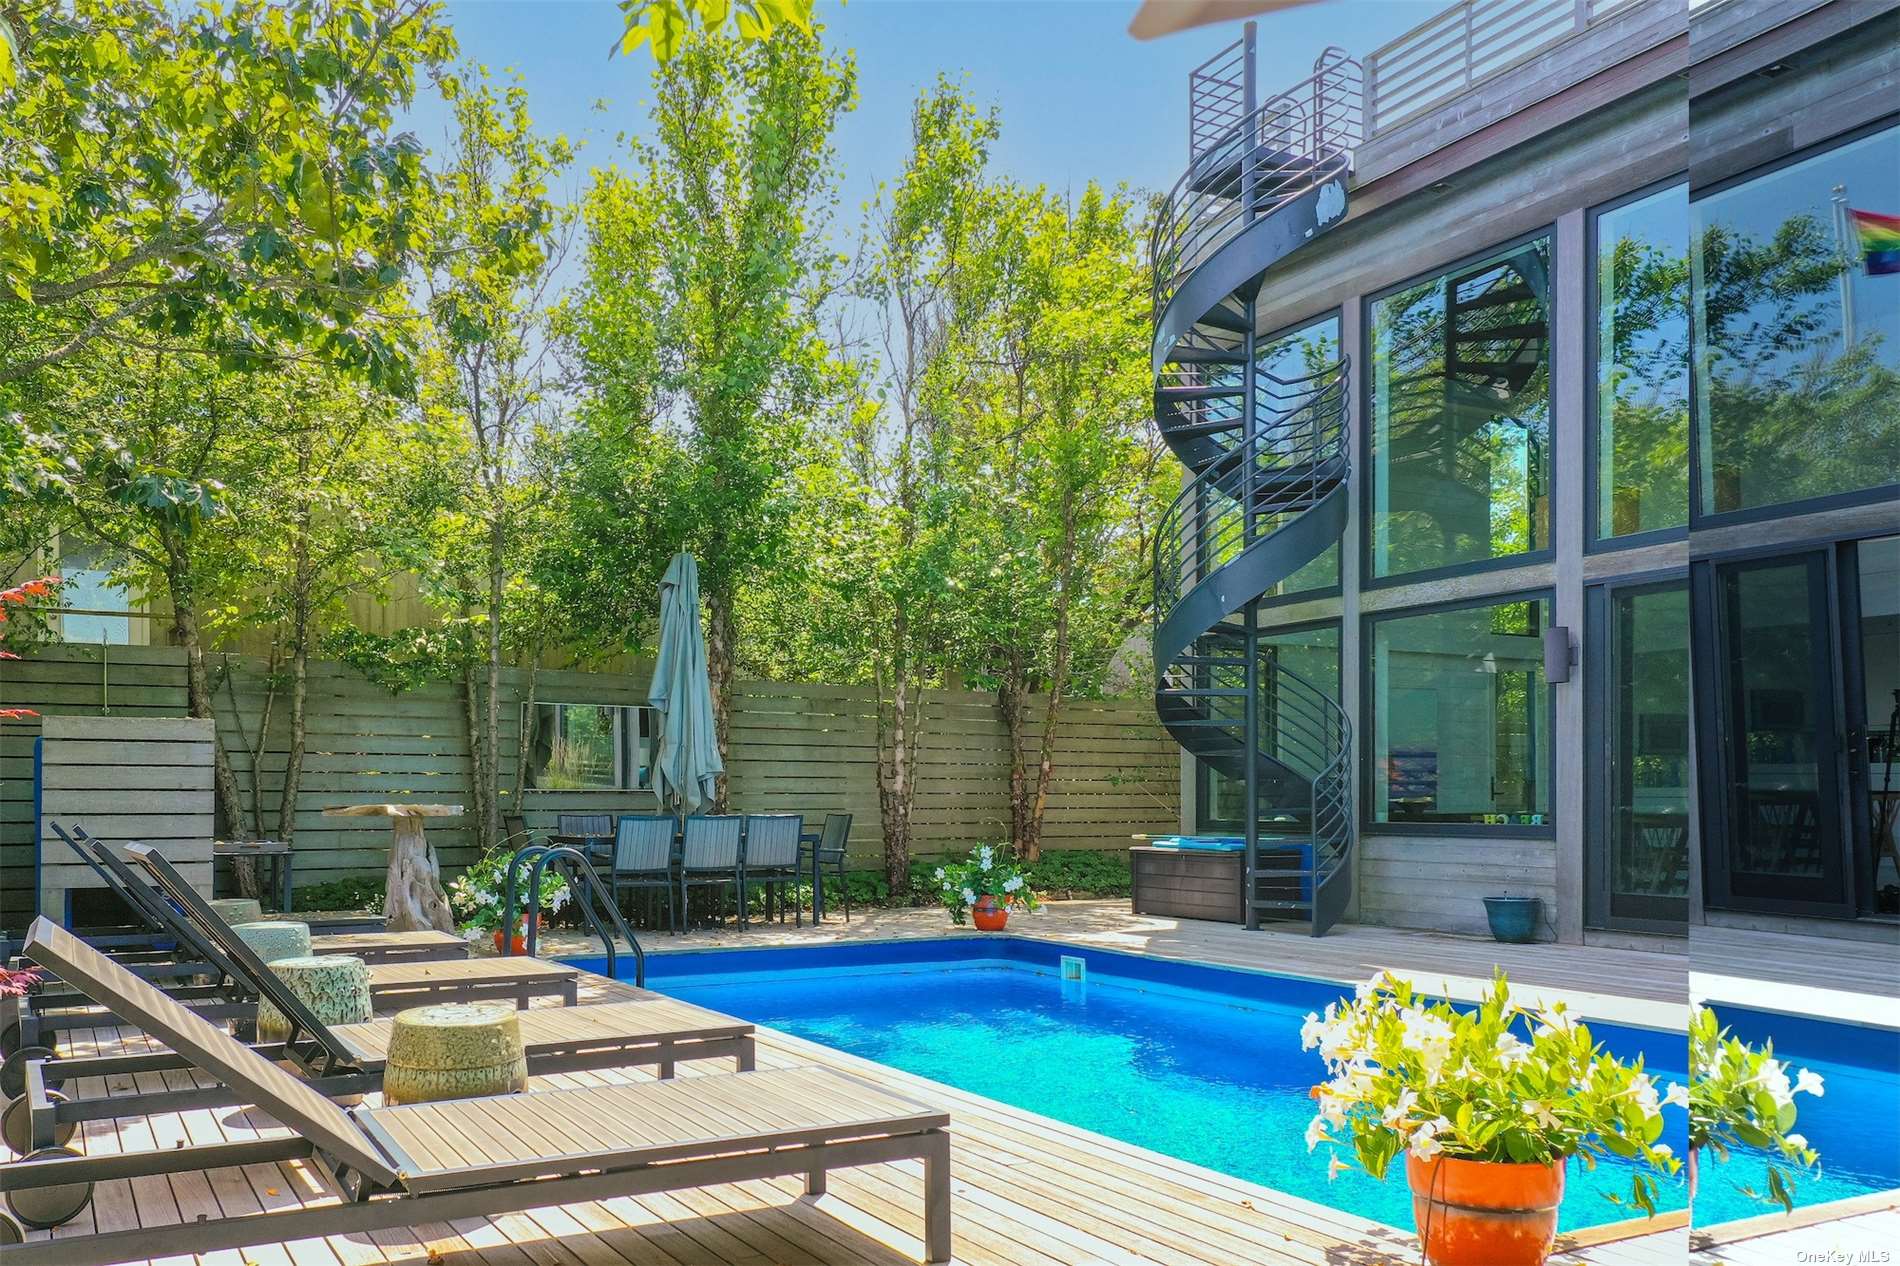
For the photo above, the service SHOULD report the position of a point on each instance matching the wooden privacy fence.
(807, 749)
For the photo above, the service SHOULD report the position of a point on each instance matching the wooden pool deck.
(1027, 1190)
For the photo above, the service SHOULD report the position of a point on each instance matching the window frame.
(1368, 578)
(1698, 519)
(1368, 824)
(1204, 773)
(1595, 541)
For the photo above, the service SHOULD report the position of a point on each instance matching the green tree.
(1050, 385)
(222, 182)
(664, 25)
(487, 381)
(695, 326)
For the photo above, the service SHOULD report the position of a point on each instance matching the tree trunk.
(1012, 698)
(299, 695)
(199, 703)
(477, 758)
(491, 715)
(898, 725)
(720, 649)
(414, 900)
(524, 744)
(1030, 847)
(271, 666)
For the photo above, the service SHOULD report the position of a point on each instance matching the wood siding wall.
(1439, 882)
(807, 749)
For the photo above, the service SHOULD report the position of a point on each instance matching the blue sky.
(1080, 98)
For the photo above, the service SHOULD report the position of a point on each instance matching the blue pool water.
(1198, 1062)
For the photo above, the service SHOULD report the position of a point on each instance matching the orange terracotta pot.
(1485, 1213)
(517, 944)
(989, 914)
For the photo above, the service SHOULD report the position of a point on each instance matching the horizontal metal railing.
(1280, 150)
(1463, 45)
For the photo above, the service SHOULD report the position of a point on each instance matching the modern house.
(1541, 348)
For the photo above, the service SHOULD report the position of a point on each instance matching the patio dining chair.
(769, 859)
(643, 859)
(821, 849)
(592, 833)
(709, 858)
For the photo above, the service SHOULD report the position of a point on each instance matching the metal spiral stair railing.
(1270, 466)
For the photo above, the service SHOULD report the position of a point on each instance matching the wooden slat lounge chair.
(173, 901)
(468, 1158)
(349, 1059)
(370, 945)
(390, 984)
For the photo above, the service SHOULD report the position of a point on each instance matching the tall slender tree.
(725, 263)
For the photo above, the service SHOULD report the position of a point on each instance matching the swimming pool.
(1198, 1062)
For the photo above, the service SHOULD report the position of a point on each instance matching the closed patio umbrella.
(686, 774)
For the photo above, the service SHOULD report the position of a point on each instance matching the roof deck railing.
(1464, 45)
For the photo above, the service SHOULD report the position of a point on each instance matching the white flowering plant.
(476, 896)
(988, 872)
(1739, 1094)
(1408, 1074)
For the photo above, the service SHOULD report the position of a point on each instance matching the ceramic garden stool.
(238, 909)
(334, 986)
(274, 939)
(454, 1050)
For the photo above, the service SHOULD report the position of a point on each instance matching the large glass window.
(1645, 735)
(1798, 320)
(591, 747)
(1460, 409)
(1642, 365)
(1311, 652)
(1460, 713)
(1295, 359)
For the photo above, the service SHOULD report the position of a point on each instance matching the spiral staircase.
(1269, 464)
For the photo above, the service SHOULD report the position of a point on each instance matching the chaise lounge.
(466, 1158)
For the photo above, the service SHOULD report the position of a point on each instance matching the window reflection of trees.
(1643, 365)
(1799, 364)
(1462, 415)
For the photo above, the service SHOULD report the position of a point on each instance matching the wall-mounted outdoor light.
(1559, 655)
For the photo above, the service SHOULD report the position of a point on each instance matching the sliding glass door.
(1637, 758)
(1773, 736)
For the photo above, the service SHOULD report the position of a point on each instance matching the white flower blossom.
(1807, 1081)
(1425, 1144)
(1316, 1134)
(1401, 1107)
(969, 897)
(1798, 1142)
(1012, 883)
(1773, 1078)
(1678, 1095)
(1644, 1088)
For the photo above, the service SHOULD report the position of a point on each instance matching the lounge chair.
(390, 984)
(370, 945)
(467, 1158)
(349, 1059)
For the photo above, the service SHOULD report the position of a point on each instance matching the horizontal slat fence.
(797, 748)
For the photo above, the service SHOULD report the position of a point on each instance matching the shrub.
(1082, 873)
(352, 892)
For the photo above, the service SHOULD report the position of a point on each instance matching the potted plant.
(1513, 920)
(477, 897)
(1486, 1105)
(1741, 1095)
(986, 886)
